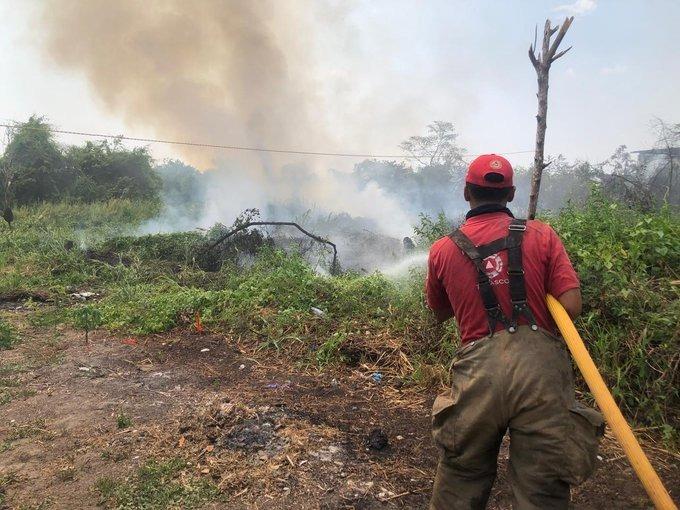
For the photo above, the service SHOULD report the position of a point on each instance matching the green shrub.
(87, 318)
(123, 421)
(628, 262)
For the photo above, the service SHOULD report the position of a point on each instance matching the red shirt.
(452, 278)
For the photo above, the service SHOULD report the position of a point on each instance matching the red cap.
(490, 171)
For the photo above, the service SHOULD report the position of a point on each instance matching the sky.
(363, 76)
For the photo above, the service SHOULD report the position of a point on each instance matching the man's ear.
(511, 195)
(466, 193)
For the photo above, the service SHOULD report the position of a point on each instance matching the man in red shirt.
(511, 373)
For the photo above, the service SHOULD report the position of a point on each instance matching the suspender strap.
(518, 292)
(518, 296)
(489, 299)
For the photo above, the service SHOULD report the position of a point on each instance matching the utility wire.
(245, 148)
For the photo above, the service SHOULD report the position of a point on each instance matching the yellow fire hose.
(653, 485)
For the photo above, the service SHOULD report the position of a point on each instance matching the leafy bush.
(41, 170)
(103, 171)
(628, 263)
(428, 230)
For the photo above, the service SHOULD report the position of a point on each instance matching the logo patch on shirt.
(493, 265)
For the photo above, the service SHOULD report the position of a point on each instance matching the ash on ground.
(231, 426)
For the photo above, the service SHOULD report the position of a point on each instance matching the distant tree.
(429, 186)
(437, 148)
(108, 170)
(37, 163)
(181, 183)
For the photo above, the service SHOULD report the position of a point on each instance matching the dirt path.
(266, 434)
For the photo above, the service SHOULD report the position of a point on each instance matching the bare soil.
(269, 432)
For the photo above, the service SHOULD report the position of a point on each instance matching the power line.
(245, 148)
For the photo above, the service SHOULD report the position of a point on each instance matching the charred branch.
(224, 237)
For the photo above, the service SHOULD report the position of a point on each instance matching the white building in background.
(662, 170)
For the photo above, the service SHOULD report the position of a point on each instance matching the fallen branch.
(22, 295)
(334, 264)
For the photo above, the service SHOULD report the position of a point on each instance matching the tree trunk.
(541, 63)
(539, 155)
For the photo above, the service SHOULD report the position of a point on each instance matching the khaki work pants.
(523, 383)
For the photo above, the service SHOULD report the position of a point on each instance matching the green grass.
(628, 262)
(157, 485)
(8, 335)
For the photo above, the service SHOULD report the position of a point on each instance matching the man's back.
(452, 278)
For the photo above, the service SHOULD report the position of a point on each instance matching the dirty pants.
(523, 383)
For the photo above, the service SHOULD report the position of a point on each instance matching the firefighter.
(511, 373)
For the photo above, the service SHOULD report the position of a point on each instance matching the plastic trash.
(377, 377)
(84, 296)
(317, 311)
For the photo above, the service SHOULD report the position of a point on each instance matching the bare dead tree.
(542, 62)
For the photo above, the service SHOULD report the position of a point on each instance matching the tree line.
(35, 168)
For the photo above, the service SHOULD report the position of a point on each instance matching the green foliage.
(44, 171)
(8, 335)
(35, 257)
(330, 349)
(123, 421)
(628, 262)
(156, 486)
(87, 317)
(428, 230)
(103, 171)
(183, 187)
(38, 162)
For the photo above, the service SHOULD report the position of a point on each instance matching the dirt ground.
(269, 433)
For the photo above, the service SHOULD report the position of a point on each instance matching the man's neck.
(489, 207)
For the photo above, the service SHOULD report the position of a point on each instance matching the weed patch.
(8, 335)
(157, 485)
(123, 421)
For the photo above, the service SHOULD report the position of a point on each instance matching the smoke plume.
(208, 71)
(245, 73)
